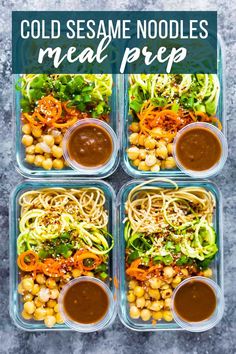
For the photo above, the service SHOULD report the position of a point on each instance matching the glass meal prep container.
(32, 171)
(216, 265)
(127, 120)
(16, 306)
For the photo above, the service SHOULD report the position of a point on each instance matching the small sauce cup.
(211, 321)
(85, 169)
(87, 327)
(215, 169)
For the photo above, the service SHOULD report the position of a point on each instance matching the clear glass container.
(127, 120)
(216, 265)
(16, 306)
(32, 171)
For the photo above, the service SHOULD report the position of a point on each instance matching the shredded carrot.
(162, 122)
(141, 274)
(56, 267)
(27, 261)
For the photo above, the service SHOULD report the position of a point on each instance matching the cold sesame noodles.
(151, 208)
(47, 213)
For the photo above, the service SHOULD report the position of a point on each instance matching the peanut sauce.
(86, 302)
(198, 149)
(195, 301)
(90, 145)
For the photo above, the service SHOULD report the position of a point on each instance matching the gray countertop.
(118, 339)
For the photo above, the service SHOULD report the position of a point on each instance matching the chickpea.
(49, 140)
(140, 302)
(168, 272)
(136, 162)
(76, 273)
(54, 293)
(155, 168)
(134, 312)
(166, 293)
(167, 303)
(50, 311)
(170, 163)
(35, 289)
(155, 283)
(150, 160)
(141, 139)
(29, 158)
(133, 152)
(132, 284)
(148, 303)
(27, 297)
(44, 294)
(142, 154)
(39, 160)
(163, 165)
(162, 152)
(157, 315)
(26, 315)
(51, 303)
(150, 143)
(27, 140)
(146, 296)
(184, 271)
(26, 129)
(59, 318)
(29, 307)
(157, 132)
(138, 291)
(176, 281)
(134, 138)
(167, 316)
(170, 148)
(50, 321)
(156, 306)
(89, 274)
(134, 127)
(37, 132)
(51, 283)
(58, 139)
(143, 167)
(30, 149)
(56, 308)
(40, 279)
(38, 149)
(40, 314)
(37, 302)
(28, 284)
(207, 273)
(58, 164)
(47, 164)
(154, 293)
(145, 314)
(165, 286)
(20, 289)
(161, 142)
(131, 297)
(57, 151)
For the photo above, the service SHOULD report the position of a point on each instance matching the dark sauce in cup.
(90, 145)
(198, 149)
(195, 301)
(85, 302)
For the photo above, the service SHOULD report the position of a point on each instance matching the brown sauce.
(86, 302)
(90, 145)
(198, 149)
(195, 301)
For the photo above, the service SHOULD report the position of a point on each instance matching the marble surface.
(118, 339)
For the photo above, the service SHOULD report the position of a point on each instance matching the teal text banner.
(114, 42)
